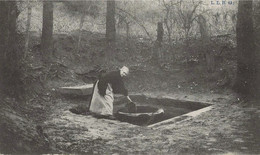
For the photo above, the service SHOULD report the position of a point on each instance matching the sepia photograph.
(130, 77)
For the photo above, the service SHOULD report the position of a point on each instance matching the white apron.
(102, 105)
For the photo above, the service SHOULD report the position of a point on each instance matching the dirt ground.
(228, 128)
(231, 126)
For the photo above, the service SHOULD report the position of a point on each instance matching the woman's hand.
(131, 106)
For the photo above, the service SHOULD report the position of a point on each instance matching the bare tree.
(246, 63)
(47, 30)
(124, 22)
(205, 41)
(169, 18)
(82, 18)
(187, 16)
(137, 21)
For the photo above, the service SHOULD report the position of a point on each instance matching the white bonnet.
(125, 69)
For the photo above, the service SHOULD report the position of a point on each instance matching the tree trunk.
(47, 30)
(127, 30)
(80, 29)
(246, 64)
(169, 32)
(166, 22)
(205, 40)
(159, 33)
(9, 59)
(110, 22)
(29, 15)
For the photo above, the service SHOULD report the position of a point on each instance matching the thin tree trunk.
(29, 15)
(205, 40)
(110, 21)
(82, 20)
(166, 22)
(169, 33)
(159, 33)
(127, 30)
(246, 63)
(47, 30)
(80, 29)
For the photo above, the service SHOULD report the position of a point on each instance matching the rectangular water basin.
(172, 109)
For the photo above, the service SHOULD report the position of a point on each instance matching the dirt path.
(225, 128)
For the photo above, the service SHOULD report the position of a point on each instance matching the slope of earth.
(19, 133)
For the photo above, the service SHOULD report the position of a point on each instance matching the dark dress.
(102, 97)
(114, 78)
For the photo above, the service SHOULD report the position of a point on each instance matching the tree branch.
(137, 21)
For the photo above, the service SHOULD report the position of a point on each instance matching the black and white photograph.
(123, 77)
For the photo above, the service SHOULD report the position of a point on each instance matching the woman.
(102, 100)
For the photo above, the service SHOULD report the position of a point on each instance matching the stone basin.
(155, 111)
(143, 115)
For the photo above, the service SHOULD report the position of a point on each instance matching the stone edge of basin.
(171, 121)
(77, 90)
(181, 97)
(180, 118)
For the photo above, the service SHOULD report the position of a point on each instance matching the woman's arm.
(102, 86)
(129, 98)
(122, 88)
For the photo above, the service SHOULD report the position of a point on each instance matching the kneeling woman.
(102, 100)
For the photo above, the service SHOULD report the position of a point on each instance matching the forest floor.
(231, 126)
